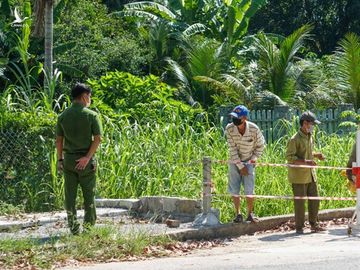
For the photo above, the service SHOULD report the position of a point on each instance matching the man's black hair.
(79, 89)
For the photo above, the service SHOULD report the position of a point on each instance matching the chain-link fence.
(28, 169)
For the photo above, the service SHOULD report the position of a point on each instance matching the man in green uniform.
(303, 180)
(78, 135)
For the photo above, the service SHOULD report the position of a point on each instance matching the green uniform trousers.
(86, 179)
(309, 189)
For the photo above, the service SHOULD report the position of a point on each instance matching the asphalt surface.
(331, 250)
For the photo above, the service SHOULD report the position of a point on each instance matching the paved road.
(332, 250)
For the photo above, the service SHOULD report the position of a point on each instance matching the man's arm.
(259, 145)
(293, 159)
(83, 162)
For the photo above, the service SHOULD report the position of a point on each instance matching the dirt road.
(330, 250)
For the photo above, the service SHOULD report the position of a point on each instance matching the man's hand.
(82, 163)
(319, 156)
(60, 165)
(349, 175)
(94, 165)
(244, 171)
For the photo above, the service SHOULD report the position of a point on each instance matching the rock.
(172, 223)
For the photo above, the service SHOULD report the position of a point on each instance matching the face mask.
(237, 122)
(311, 129)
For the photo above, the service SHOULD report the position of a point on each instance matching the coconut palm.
(347, 60)
(276, 62)
(205, 72)
(43, 27)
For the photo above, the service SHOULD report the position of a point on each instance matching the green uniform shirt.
(300, 146)
(78, 124)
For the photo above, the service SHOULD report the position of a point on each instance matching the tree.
(276, 62)
(205, 72)
(348, 67)
(232, 19)
(332, 19)
(43, 27)
(167, 22)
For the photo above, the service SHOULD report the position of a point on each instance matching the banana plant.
(167, 22)
(232, 19)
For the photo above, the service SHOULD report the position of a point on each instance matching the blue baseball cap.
(240, 111)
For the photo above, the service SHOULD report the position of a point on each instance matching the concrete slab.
(130, 204)
(39, 219)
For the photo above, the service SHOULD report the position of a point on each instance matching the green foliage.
(275, 63)
(7, 209)
(27, 150)
(142, 99)
(100, 41)
(348, 66)
(234, 17)
(332, 19)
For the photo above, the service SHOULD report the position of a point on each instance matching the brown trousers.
(309, 189)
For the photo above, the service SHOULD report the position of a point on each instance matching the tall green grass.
(161, 159)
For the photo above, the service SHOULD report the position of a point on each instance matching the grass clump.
(101, 244)
(7, 209)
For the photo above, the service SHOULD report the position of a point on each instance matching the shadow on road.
(342, 232)
(279, 237)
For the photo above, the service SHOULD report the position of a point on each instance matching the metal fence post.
(209, 216)
(206, 185)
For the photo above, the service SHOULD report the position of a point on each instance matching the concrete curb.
(266, 223)
(38, 220)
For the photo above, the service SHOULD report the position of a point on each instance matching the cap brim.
(317, 122)
(234, 115)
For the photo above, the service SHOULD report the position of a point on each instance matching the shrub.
(142, 99)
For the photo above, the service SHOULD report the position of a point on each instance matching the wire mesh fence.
(27, 172)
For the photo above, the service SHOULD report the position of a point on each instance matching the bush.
(145, 100)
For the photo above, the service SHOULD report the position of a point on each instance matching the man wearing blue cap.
(246, 144)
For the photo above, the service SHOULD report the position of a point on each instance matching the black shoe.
(317, 229)
(252, 218)
(238, 218)
(300, 231)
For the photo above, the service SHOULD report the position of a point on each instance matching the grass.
(99, 245)
(7, 209)
(164, 158)
(139, 160)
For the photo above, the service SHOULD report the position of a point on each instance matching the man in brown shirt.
(303, 180)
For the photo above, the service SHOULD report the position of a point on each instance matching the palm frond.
(347, 60)
(180, 74)
(277, 63)
(151, 6)
(215, 84)
(194, 29)
(138, 14)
